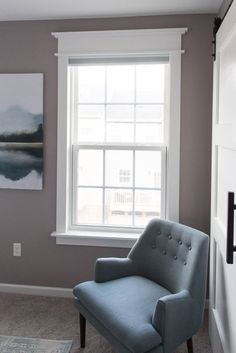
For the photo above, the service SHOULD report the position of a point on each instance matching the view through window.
(119, 113)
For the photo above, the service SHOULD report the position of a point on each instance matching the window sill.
(86, 238)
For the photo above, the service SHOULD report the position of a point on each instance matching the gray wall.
(29, 216)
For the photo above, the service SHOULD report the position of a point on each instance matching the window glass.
(116, 162)
(119, 109)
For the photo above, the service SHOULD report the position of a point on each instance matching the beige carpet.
(56, 318)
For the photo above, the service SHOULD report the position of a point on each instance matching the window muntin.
(118, 127)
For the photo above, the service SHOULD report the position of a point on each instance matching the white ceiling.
(59, 9)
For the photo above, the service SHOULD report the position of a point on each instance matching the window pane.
(147, 206)
(148, 169)
(91, 84)
(91, 123)
(120, 112)
(90, 167)
(150, 83)
(118, 207)
(146, 133)
(120, 83)
(117, 132)
(119, 165)
(151, 112)
(89, 206)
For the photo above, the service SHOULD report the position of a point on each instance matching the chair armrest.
(107, 269)
(174, 319)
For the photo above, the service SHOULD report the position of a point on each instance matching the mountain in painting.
(20, 125)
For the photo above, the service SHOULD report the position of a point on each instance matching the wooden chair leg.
(82, 322)
(190, 345)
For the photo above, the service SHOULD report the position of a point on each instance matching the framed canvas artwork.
(21, 131)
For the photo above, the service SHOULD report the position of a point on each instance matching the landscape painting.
(21, 131)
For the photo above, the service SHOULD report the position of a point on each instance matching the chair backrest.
(173, 255)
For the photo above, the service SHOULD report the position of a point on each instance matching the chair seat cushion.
(125, 307)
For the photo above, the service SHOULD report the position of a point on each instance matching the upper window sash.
(134, 105)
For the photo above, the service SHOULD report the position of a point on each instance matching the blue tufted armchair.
(153, 300)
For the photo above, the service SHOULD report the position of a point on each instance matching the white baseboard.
(46, 291)
(36, 290)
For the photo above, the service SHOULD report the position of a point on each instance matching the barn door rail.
(231, 248)
(217, 23)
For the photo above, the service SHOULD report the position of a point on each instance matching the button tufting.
(163, 252)
(185, 263)
(189, 248)
(180, 242)
(158, 233)
(169, 236)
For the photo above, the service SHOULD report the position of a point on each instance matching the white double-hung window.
(118, 133)
(119, 113)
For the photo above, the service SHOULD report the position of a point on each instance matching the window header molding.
(149, 42)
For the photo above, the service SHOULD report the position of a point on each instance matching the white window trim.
(121, 43)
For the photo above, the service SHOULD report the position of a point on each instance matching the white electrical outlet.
(16, 249)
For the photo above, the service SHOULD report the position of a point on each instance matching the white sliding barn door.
(223, 274)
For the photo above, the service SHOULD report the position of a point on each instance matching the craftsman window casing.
(131, 46)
